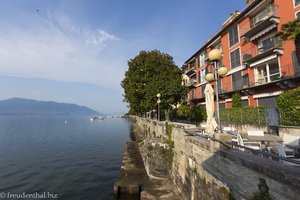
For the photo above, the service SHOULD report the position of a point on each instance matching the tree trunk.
(297, 44)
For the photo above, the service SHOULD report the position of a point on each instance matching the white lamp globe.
(158, 95)
(215, 54)
(209, 77)
(222, 71)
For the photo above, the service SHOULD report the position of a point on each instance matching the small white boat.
(96, 118)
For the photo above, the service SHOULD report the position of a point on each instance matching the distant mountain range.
(20, 106)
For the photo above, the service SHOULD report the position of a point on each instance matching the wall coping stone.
(286, 174)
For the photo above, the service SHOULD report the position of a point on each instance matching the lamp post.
(158, 102)
(214, 56)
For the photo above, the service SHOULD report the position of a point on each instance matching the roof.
(225, 28)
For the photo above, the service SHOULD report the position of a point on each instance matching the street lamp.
(158, 102)
(214, 56)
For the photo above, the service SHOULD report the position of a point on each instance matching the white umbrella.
(209, 102)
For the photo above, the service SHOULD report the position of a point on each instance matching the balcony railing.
(287, 78)
(265, 14)
(261, 51)
(260, 26)
(192, 83)
(191, 72)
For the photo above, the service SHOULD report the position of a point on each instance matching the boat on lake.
(96, 118)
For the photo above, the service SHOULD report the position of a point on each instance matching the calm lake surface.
(79, 159)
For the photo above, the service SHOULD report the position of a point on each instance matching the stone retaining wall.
(204, 169)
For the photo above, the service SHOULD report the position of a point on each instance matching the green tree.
(149, 73)
(236, 100)
(291, 31)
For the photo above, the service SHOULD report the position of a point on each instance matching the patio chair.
(252, 145)
(290, 140)
(281, 152)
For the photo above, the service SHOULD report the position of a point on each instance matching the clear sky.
(76, 51)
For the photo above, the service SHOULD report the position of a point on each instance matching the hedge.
(244, 115)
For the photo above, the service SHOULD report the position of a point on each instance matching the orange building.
(260, 65)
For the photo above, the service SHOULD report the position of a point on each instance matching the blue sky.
(76, 51)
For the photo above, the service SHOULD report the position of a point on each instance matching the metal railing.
(247, 26)
(260, 153)
(191, 82)
(256, 50)
(268, 12)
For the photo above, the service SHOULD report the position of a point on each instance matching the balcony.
(260, 26)
(262, 51)
(191, 72)
(191, 83)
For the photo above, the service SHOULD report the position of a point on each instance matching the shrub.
(236, 100)
(191, 113)
(289, 106)
(186, 112)
(261, 196)
(200, 113)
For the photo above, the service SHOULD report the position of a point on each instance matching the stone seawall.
(205, 169)
(133, 182)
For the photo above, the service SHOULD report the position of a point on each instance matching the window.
(267, 101)
(235, 59)
(245, 102)
(297, 2)
(237, 83)
(245, 79)
(202, 91)
(202, 58)
(222, 106)
(267, 72)
(298, 15)
(193, 94)
(201, 75)
(296, 64)
(268, 43)
(233, 36)
(218, 46)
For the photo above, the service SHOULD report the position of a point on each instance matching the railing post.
(227, 118)
(241, 115)
(258, 116)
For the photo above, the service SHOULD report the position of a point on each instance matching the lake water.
(79, 159)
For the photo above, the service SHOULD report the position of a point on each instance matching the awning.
(236, 70)
(228, 100)
(270, 94)
(263, 60)
(266, 30)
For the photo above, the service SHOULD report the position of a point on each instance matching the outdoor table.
(265, 140)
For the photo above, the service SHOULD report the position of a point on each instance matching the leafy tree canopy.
(291, 31)
(149, 73)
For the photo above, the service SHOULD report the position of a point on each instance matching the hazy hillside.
(27, 106)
